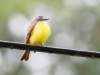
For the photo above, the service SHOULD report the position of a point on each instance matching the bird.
(37, 34)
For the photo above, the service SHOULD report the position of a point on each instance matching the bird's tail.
(25, 56)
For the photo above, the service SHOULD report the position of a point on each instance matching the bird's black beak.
(42, 19)
(45, 19)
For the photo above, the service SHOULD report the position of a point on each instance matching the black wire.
(47, 49)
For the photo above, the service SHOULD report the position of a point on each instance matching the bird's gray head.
(41, 18)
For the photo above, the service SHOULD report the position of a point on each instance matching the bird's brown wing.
(28, 34)
(31, 27)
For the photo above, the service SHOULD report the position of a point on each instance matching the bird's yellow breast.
(40, 33)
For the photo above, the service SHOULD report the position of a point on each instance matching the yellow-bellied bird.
(37, 34)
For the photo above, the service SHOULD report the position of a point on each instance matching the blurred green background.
(74, 24)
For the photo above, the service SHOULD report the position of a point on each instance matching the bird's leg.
(38, 45)
(41, 45)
